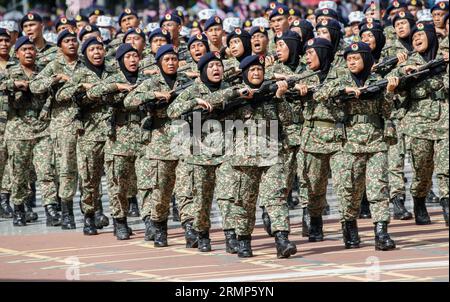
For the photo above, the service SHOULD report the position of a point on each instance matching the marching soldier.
(63, 125)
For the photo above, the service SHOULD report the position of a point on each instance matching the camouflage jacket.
(113, 45)
(319, 133)
(212, 154)
(291, 114)
(364, 119)
(251, 148)
(426, 103)
(230, 67)
(389, 32)
(24, 108)
(94, 111)
(158, 146)
(4, 96)
(46, 54)
(148, 62)
(62, 114)
(126, 123)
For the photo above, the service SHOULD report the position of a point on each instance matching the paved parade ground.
(36, 252)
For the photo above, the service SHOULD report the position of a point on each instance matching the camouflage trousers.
(119, 171)
(317, 167)
(293, 164)
(183, 191)
(23, 156)
(156, 182)
(90, 161)
(225, 194)
(396, 167)
(359, 172)
(3, 155)
(426, 156)
(272, 183)
(65, 148)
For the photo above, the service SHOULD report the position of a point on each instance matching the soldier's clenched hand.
(392, 84)
(353, 90)
(246, 93)
(21, 85)
(162, 95)
(125, 87)
(302, 89)
(204, 104)
(282, 88)
(402, 57)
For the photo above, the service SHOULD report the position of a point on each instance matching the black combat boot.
(175, 212)
(149, 229)
(58, 203)
(160, 233)
(245, 246)
(7, 211)
(204, 243)
(68, 218)
(365, 208)
(420, 211)
(134, 207)
(89, 225)
(383, 241)
(400, 212)
(306, 223)
(285, 248)
(266, 222)
(316, 229)
(292, 201)
(190, 234)
(33, 194)
(121, 229)
(29, 214)
(53, 217)
(444, 204)
(350, 234)
(231, 243)
(101, 220)
(431, 197)
(19, 218)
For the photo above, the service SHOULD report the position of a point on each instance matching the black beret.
(200, 37)
(440, 6)
(295, 12)
(79, 18)
(326, 12)
(279, 10)
(165, 49)
(64, 21)
(170, 17)
(22, 41)
(65, 33)
(329, 24)
(417, 3)
(258, 29)
(136, 31)
(30, 17)
(159, 32)
(396, 4)
(4, 32)
(237, 33)
(318, 43)
(357, 47)
(403, 15)
(127, 12)
(420, 26)
(252, 60)
(86, 30)
(97, 12)
(288, 35)
(215, 20)
(91, 41)
(208, 57)
(123, 49)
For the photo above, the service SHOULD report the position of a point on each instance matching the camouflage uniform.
(397, 151)
(92, 138)
(364, 157)
(156, 169)
(426, 124)
(46, 54)
(321, 144)
(122, 145)
(28, 141)
(63, 126)
(205, 169)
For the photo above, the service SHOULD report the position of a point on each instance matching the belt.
(123, 118)
(321, 124)
(375, 120)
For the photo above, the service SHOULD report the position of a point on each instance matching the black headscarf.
(162, 51)
(324, 51)
(245, 38)
(294, 43)
(203, 66)
(98, 70)
(433, 42)
(334, 28)
(380, 39)
(364, 50)
(406, 42)
(120, 55)
(307, 30)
